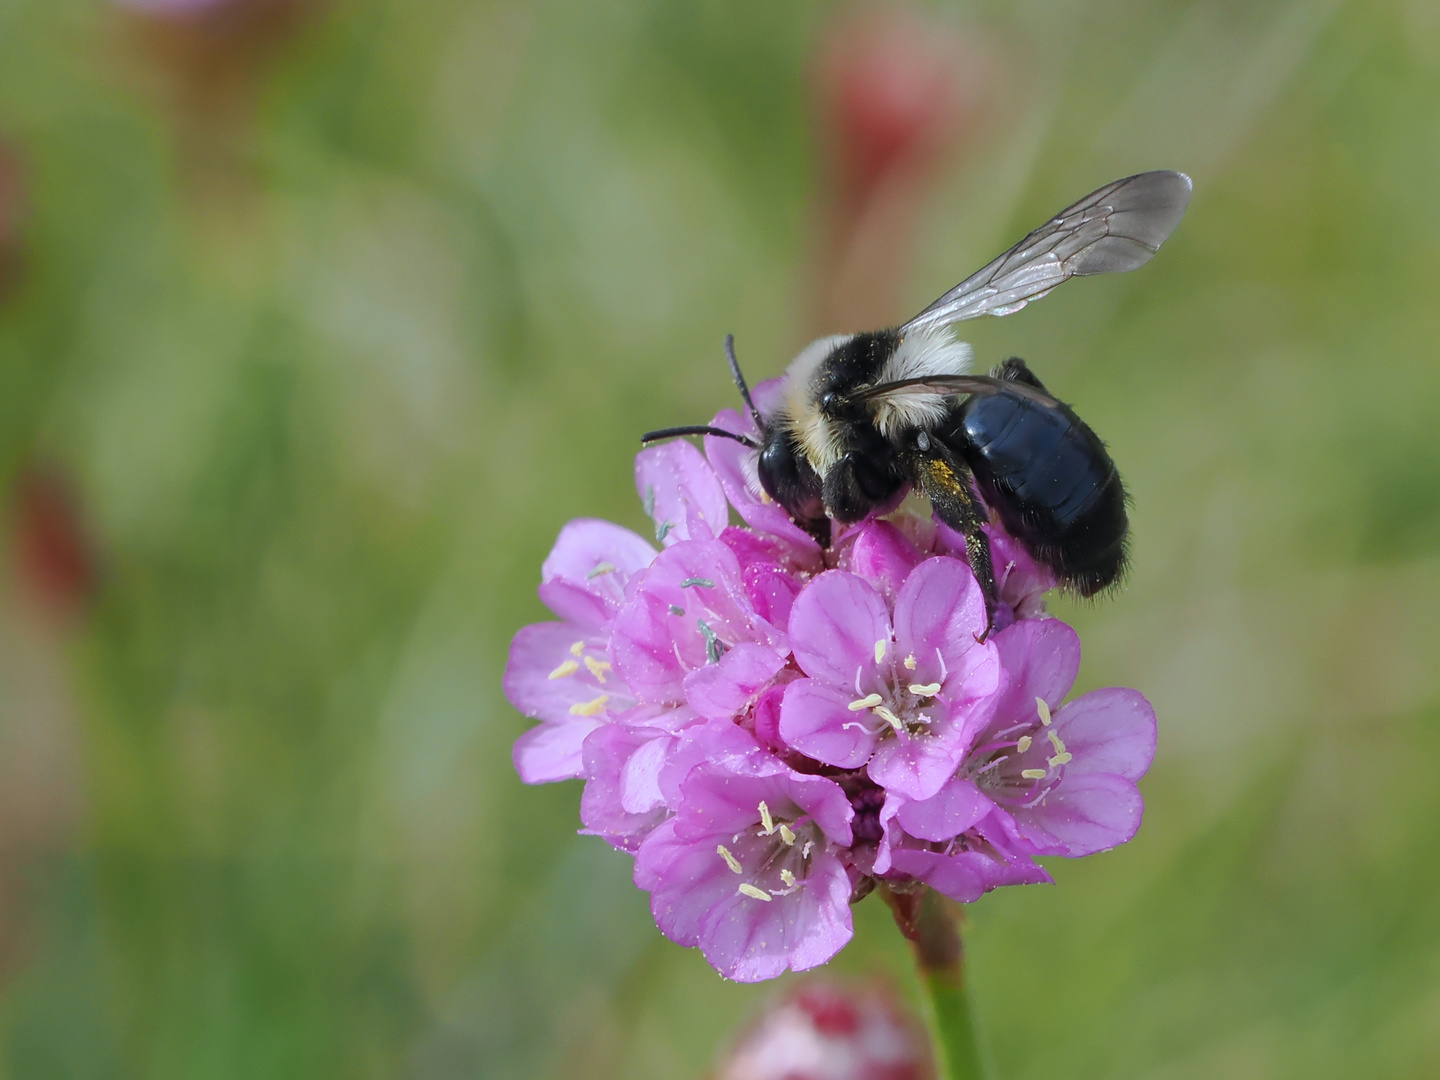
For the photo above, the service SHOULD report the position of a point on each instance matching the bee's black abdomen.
(1050, 480)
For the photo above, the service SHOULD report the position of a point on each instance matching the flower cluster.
(772, 728)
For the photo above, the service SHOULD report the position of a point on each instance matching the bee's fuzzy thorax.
(920, 353)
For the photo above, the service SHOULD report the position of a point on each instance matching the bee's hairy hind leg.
(947, 485)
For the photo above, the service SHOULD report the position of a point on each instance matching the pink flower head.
(772, 727)
(897, 696)
(749, 869)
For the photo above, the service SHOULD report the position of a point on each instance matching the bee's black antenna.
(740, 381)
(697, 429)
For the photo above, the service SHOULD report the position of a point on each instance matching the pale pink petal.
(919, 766)
(955, 808)
(1082, 815)
(547, 676)
(1108, 731)
(1041, 659)
(835, 626)
(881, 554)
(816, 719)
(939, 614)
(550, 752)
(680, 492)
(583, 580)
(728, 688)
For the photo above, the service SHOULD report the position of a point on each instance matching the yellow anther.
(730, 860)
(889, 717)
(787, 834)
(869, 701)
(1055, 741)
(880, 647)
(929, 689)
(1033, 774)
(597, 667)
(751, 891)
(765, 819)
(577, 648)
(1043, 710)
(1023, 744)
(601, 568)
(1061, 758)
(911, 663)
(589, 708)
(788, 878)
(569, 667)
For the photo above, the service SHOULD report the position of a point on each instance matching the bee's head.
(789, 479)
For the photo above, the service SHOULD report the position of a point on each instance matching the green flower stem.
(929, 921)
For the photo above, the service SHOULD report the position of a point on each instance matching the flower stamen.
(925, 689)
(787, 835)
(765, 819)
(730, 860)
(1023, 744)
(589, 708)
(1044, 711)
(600, 568)
(788, 878)
(569, 667)
(1033, 774)
(869, 701)
(598, 668)
(911, 663)
(746, 889)
(577, 648)
(880, 647)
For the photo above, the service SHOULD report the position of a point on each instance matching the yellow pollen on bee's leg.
(569, 667)
(787, 835)
(869, 701)
(1023, 744)
(589, 708)
(1055, 741)
(911, 663)
(577, 648)
(1033, 774)
(730, 860)
(929, 689)
(788, 878)
(880, 647)
(765, 819)
(598, 668)
(1043, 710)
(751, 891)
(889, 717)
(1061, 758)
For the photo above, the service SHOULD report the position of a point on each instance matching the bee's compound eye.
(830, 402)
(922, 441)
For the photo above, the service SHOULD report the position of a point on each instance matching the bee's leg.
(946, 483)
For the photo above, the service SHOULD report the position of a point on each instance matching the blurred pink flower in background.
(832, 1031)
(897, 91)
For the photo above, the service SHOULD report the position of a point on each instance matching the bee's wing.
(955, 384)
(1114, 229)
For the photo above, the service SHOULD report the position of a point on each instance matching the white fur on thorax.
(818, 437)
(920, 353)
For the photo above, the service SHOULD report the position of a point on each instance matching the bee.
(862, 417)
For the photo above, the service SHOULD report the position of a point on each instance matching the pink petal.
(1108, 731)
(955, 808)
(575, 581)
(816, 719)
(1041, 659)
(919, 766)
(883, 556)
(681, 492)
(728, 688)
(938, 615)
(1082, 815)
(550, 752)
(616, 778)
(772, 590)
(749, 940)
(546, 679)
(834, 627)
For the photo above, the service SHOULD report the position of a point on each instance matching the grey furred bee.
(863, 415)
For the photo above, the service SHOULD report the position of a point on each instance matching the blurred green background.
(319, 320)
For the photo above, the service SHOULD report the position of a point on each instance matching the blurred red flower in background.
(54, 564)
(896, 91)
